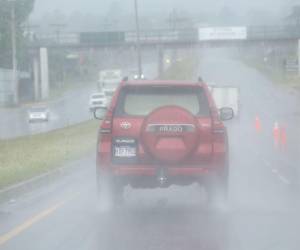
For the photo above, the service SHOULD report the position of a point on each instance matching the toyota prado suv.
(162, 133)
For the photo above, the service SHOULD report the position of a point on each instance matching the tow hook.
(162, 177)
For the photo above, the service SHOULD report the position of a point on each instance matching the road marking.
(27, 224)
(267, 162)
(283, 179)
(30, 222)
(277, 173)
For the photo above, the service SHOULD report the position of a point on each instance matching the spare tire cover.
(170, 134)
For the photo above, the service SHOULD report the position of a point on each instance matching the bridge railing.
(118, 37)
(48, 39)
(163, 36)
(158, 36)
(273, 32)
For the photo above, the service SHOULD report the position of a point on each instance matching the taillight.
(106, 126)
(219, 132)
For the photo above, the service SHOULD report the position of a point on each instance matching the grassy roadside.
(26, 157)
(277, 76)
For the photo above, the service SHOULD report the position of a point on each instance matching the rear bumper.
(153, 177)
(98, 106)
(32, 120)
(153, 171)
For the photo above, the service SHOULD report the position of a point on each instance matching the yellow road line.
(27, 224)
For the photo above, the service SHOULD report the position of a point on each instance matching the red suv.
(161, 133)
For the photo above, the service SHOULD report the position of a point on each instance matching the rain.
(156, 125)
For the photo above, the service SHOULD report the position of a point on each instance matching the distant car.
(109, 94)
(109, 81)
(98, 100)
(226, 96)
(136, 76)
(38, 114)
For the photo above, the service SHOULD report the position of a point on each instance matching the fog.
(92, 14)
(79, 179)
(100, 7)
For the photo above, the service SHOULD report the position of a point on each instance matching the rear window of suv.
(142, 100)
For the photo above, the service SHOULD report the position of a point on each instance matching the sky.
(101, 6)
(95, 15)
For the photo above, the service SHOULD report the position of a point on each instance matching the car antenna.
(200, 79)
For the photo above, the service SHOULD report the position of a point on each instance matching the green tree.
(294, 17)
(23, 8)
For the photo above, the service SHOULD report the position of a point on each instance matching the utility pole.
(30, 30)
(138, 41)
(14, 53)
(176, 20)
(58, 27)
(299, 57)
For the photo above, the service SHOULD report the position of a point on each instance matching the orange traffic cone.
(257, 125)
(276, 134)
(283, 138)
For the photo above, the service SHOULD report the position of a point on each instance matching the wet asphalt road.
(71, 109)
(68, 110)
(262, 212)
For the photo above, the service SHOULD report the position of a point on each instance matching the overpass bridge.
(171, 38)
(159, 39)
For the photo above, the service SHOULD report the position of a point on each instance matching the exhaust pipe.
(162, 178)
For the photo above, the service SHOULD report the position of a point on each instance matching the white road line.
(267, 162)
(277, 173)
(283, 179)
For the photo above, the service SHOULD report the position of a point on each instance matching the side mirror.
(226, 114)
(99, 113)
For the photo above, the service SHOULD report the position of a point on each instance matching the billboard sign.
(222, 33)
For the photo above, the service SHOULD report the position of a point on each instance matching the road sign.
(222, 33)
(291, 65)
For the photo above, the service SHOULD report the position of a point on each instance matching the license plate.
(125, 152)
